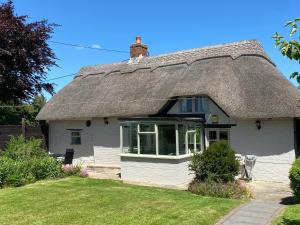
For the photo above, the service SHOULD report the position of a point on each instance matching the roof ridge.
(228, 44)
(252, 46)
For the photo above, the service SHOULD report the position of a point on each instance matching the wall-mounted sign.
(215, 119)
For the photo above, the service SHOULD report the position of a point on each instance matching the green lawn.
(91, 202)
(290, 216)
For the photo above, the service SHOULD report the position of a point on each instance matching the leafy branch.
(290, 48)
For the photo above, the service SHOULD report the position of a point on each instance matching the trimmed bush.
(217, 163)
(235, 190)
(295, 179)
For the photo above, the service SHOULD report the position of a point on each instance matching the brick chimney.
(138, 48)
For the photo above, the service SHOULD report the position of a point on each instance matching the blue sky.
(165, 26)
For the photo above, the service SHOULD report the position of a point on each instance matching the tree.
(28, 111)
(25, 56)
(290, 48)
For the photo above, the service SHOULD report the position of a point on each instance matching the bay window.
(167, 139)
(147, 139)
(161, 138)
(182, 130)
(129, 138)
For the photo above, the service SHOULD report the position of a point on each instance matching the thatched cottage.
(147, 115)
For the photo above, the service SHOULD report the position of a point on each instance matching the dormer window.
(193, 104)
(186, 105)
(200, 104)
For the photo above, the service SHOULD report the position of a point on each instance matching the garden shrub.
(46, 168)
(14, 173)
(25, 161)
(22, 148)
(217, 163)
(295, 179)
(235, 189)
(72, 170)
(84, 173)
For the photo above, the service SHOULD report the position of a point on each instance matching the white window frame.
(194, 131)
(139, 132)
(155, 132)
(121, 139)
(187, 150)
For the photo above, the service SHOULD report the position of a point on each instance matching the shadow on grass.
(288, 201)
(290, 222)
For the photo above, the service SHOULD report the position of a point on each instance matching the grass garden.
(291, 214)
(76, 200)
(37, 189)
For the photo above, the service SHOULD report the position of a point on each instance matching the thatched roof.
(238, 76)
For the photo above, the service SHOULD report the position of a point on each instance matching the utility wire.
(56, 78)
(106, 102)
(88, 47)
(82, 46)
(13, 106)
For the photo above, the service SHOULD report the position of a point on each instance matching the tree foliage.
(290, 48)
(25, 56)
(14, 115)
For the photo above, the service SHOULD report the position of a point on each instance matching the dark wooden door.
(297, 136)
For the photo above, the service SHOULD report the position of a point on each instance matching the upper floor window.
(193, 104)
(186, 105)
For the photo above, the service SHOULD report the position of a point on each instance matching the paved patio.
(269, 200)
(104, 172)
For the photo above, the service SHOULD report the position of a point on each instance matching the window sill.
(156, 156)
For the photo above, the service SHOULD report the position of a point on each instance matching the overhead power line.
(56, 78)
(106, 102)
(89, 47)
(13, 106)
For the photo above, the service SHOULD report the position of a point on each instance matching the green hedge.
(295, 179)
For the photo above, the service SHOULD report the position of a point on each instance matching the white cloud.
(79, 48)
(96, 46)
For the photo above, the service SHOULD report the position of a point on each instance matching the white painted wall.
(100, 139)
(106, 142)
(173, 172)
(60, 140)
(273, 145)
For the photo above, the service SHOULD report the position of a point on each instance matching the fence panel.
(6, 131)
